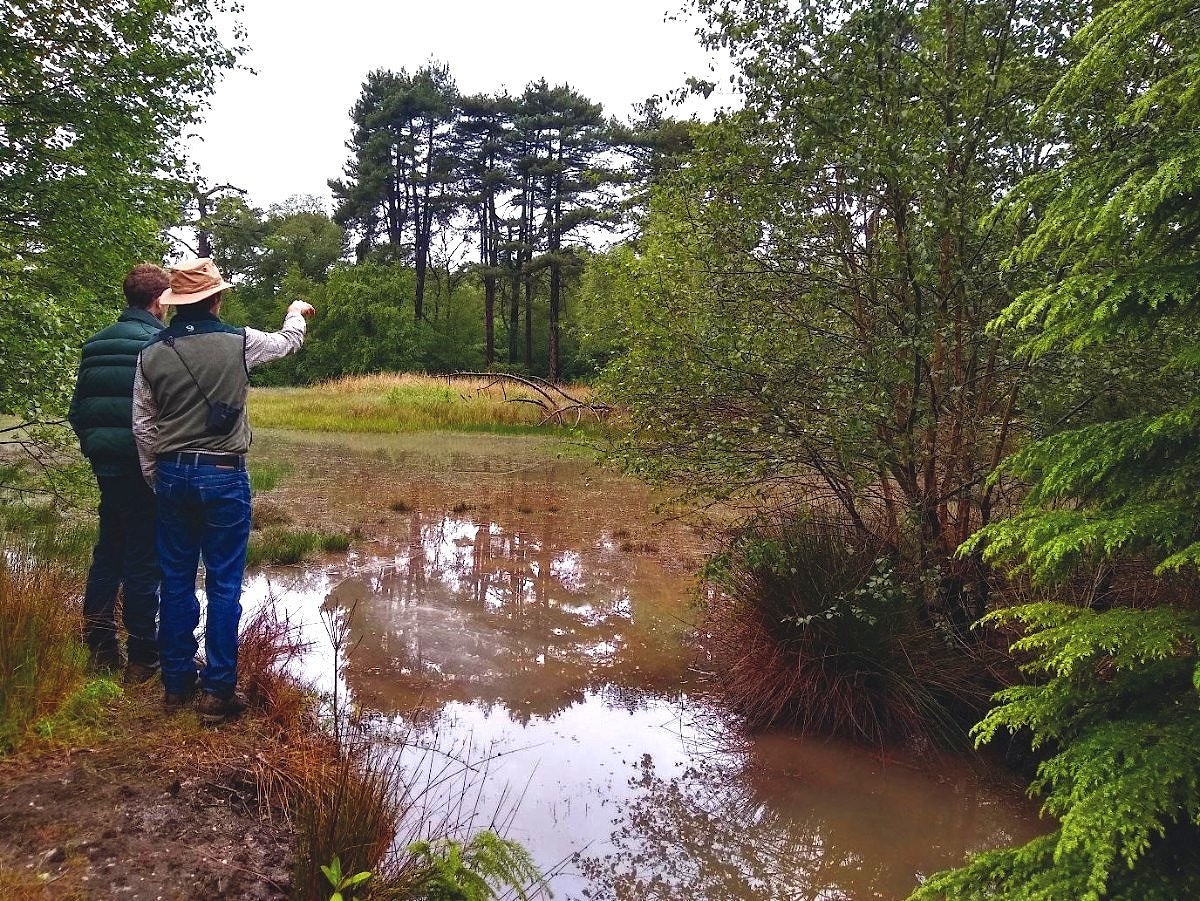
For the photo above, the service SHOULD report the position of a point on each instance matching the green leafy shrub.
(1113, 698)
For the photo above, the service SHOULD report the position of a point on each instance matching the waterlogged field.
(525, 620)
(405, 403)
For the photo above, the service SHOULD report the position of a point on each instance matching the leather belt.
(199, 458)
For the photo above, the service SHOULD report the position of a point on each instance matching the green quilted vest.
(102, 406)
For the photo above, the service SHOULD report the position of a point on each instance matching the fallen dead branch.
(556, 404)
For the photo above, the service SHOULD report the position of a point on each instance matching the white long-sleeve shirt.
(261, 347)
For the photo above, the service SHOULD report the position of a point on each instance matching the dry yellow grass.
(405, 403)
(41, 655)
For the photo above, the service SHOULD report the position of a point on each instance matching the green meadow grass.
(401, 403)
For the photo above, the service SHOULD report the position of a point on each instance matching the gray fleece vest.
(215, 354)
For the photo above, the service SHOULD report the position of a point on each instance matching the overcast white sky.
(283, 130)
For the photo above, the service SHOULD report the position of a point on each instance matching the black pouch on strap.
(222, 418)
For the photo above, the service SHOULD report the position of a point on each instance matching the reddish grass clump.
(811, 627)
(267, 647)
(41, 654)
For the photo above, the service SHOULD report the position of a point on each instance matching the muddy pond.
(524, 617)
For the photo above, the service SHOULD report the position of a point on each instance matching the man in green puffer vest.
(101, 415)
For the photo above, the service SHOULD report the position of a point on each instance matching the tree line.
(506, 191)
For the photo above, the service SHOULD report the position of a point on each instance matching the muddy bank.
(170, 815)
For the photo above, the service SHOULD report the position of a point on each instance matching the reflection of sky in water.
(559, 661)
(297, 597)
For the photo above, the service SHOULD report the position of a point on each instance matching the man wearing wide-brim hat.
(189, 421)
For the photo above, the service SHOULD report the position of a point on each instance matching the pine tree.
(565, 181)
(483, 178)
(396, 184)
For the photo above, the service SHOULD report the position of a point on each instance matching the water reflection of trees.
(732, 827)
(530, 613)
(702, 834)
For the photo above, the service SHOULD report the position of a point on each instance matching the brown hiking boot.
(216, 710)
(173, 703)
(139, 673)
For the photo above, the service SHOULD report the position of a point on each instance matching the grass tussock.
(264, 515)
(348, 807)
(269, 648)
(399, 403)
(42, 657)
(287, 547)
(812, 628)
(265, 475)
(378, 816)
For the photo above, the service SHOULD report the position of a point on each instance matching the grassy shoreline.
(407, 403)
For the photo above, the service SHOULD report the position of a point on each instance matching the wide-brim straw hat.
(192, 282)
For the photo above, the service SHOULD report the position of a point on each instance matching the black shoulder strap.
(169, 340)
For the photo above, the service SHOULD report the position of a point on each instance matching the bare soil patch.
(163, 811)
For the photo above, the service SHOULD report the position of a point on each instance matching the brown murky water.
(526, 613)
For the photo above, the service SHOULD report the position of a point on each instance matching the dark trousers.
(124, 557)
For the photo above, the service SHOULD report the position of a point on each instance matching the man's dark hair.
(144, 283)
(200, 308)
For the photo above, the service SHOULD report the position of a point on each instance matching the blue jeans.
(123, 558)
(203, 511)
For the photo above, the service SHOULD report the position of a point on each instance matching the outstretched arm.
(263, 347)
